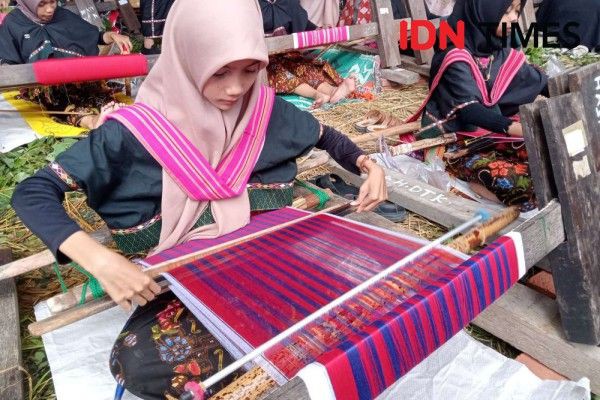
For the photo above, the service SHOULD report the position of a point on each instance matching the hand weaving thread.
(380, 291)
(105, 303)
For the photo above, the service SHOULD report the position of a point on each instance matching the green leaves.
(22, 162)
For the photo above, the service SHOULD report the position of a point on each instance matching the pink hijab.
(29, 8)
(195, 46)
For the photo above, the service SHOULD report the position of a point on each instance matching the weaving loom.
(249, 293)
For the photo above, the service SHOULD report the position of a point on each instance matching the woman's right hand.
(124, 281)
(515, 129)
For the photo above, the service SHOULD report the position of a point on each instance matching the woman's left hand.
(122, 41)
(374, 190)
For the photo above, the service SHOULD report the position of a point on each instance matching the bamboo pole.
(393, 131)
(405, 148)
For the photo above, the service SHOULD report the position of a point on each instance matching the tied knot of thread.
(90, 284)
(321, 195)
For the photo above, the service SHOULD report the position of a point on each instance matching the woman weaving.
(38, 30)
(477, 91)
(206, 94)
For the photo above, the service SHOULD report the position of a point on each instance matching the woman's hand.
(124, 282)
(515, 129)
(374, 190)
(122, 41)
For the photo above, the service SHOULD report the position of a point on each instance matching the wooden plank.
(17, 76)
(417, 11)
(387, 41)
(281, 44)
(410, 64)
(537, 151)
(10, 338)
(530, 322)
(542, 233)
(292, 390)
(558, 85)
(87, 10)
(400, 75)
(586, 80)
(576, 275)
(527, 16)
(129, 17)
(43, 258)
(419, 197)
(101, 7)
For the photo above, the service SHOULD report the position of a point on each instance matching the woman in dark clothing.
(478, 91)
(37, 30)
(294, 72)
(586, 13)
(211, 93)
(154, 15)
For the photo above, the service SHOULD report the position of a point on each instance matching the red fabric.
(2, 16)
(69, 70)
(363, 16)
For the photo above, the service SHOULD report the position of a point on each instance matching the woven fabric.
(59, 71)
(133, 241)
(321, 37)
(250, 292)
(257, 223)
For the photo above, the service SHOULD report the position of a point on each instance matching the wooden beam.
(417, 11)
(281, 44)
(129, 17)
(18, 76)
(527, 16)
(10, 338)
(437, 205)
(387, 41)
(400, 75)
(586, 80)
(576, 273)
(530, 321)
(410, 64)
(101, 7)
(87, 10)
(43, 258)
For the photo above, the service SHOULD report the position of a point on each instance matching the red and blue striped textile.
(255, 290)
(320, 37)
(257, 223)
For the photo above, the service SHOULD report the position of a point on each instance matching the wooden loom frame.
(528, 320)
(385, 29)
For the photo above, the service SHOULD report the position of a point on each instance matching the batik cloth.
(290, 70)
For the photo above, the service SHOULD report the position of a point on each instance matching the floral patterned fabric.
(504, 171)
(162, 347)
(290, 70)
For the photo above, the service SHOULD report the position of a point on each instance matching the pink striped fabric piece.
(321, 36)
(505, 76)
(184, 162)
